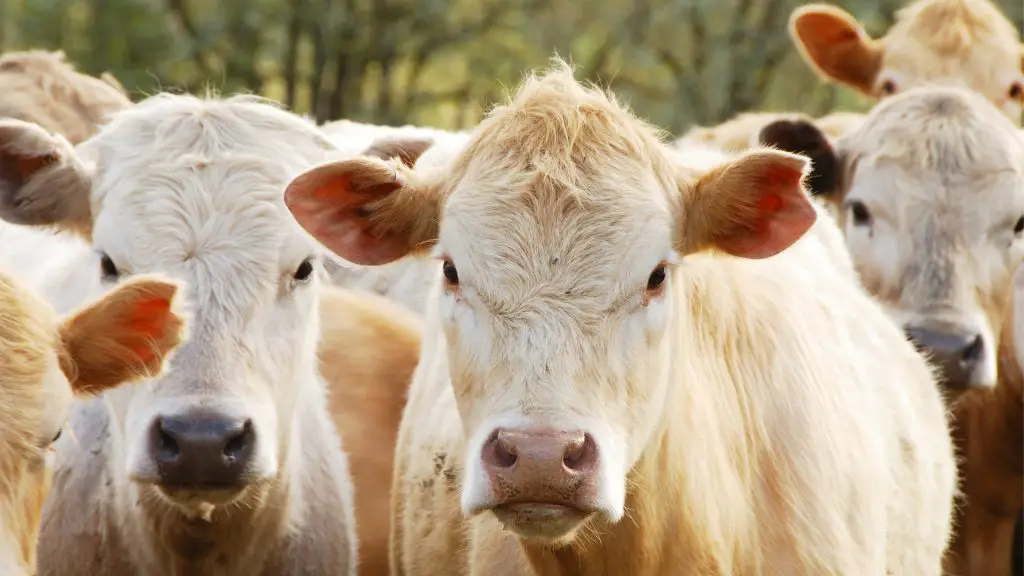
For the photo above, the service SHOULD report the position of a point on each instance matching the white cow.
(228, 464)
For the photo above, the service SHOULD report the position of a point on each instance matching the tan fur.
(823, 452)
(42, 362)
(740, 133)
(369, 347)
(42, 87)
(947, 145)
(968, 42)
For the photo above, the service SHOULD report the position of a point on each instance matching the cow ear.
(365, 210)
(804, 138)
(407, 149)
(753, 207)
(42, 180)
(126, 335)
(836, 46)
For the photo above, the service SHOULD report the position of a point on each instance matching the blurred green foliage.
(442, 62)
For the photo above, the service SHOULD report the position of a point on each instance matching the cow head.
(930, 192)
(967, 42)
(560, 230)
(192, 188)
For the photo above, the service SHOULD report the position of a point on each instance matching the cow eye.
(1018, 228)
(860, 214)
(451, 275)
(1016, 91)
(304, 271)
(888, 88)
(57, 436)
(656, 279)
(110, 271)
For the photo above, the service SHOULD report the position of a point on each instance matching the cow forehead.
(228, 208)
(534, 235)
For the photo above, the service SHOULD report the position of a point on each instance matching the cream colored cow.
(931, 191)
(965, 42)
(44, 361)
(42, 87)
(638, 365)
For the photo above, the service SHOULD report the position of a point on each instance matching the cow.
(968, 42)
(931, 190)
(44, 361)
(229, 463)
(636, 365)
(741, 132)
(369, 347)
(43, 88)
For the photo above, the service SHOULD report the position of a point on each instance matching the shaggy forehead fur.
(559, 184)
(970, 39)
(200, 175)
(949, 130)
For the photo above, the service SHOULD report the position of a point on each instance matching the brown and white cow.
(965, 42)
(931, 190)
(43, 88)
(636, 365)
(229, 462)
(44, 362)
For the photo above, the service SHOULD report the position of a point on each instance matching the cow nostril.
(580, 454)
(972, 353)
(167, 446)
(237, 446)
(505, 453)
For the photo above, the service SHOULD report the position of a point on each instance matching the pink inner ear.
(778, 218)
(149, 320)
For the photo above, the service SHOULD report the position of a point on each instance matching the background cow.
(964, 42)
(932, 195)
(42, 87)
(44, 361)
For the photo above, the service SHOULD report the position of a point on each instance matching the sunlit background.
(442, 62)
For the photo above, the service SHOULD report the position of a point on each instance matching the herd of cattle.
(553, 344)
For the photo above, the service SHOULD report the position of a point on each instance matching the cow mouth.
(200, 500)
(549, 521)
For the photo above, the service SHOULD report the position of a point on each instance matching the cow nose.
(956, 354)
(206, 451)
(546, 466)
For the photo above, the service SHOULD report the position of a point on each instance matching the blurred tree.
(442, 62)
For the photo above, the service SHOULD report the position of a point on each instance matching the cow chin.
(548, 523)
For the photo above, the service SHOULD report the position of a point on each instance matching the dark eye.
(859, 213)
(1019, 226)
(110, 271)
(656, 279)
(888, 88)
(56, 436)
(1016, 91)
(304, 271)
(450, 273)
